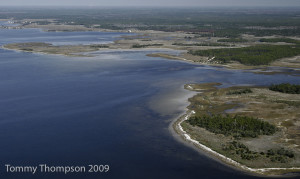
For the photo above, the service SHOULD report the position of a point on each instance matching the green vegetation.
(99, 46)
(218, 22)
(237, 126)
(203, 44)
(275, 155)
(290, 103)
(254, 55)
(234, 40)
(241, 91)
(241, 149)
(286, 40)
(147, 45)
(281, 32)
(27, 49)
(286, 88)
(280, 155)
(43, 22)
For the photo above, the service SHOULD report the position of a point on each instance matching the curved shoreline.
(176, 125)
(178, 128)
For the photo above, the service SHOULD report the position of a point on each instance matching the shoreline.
(42, 53)
(182, 136)
(176, 125)
(148, 39)
(162, 53)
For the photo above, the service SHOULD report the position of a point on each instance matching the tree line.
(236, 126)
(238, 92)
(286, 88)
(254, 55)
(275, 155)
(234, 40)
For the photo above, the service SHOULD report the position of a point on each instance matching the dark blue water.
(113, 109)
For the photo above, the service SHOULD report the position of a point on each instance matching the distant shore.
(147, 39)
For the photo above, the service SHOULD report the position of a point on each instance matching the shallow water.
(113, 109)
(57, 38)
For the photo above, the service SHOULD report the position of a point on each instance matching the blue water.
(57, 38)
(7, 24)
(113, 109)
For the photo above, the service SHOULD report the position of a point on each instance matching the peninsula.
(253, 128)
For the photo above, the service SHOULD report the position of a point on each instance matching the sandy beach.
(186, 137)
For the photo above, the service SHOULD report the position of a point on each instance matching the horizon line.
(175, 6)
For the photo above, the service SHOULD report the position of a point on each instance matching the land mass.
(249, 39)
(224, 120)
(206, 54)
(248, 54)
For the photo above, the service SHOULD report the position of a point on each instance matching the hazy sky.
(150, 3)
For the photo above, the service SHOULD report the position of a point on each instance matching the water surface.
(113, 109)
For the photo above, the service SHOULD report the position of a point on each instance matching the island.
(249, 39)
(244, 55)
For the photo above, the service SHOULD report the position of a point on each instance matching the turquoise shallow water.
(113, 109)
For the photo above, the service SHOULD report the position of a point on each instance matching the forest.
(238, 92)
(254, 55)
(234, 40)
(275, 155)
(286, 88)
(219, 22)
(146, 45)
(236, 126)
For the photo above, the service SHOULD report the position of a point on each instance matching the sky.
(180, 3)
